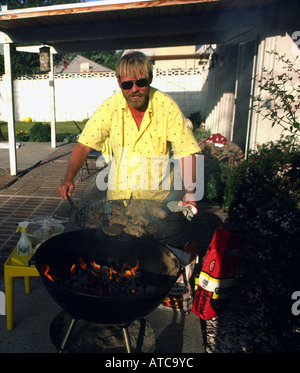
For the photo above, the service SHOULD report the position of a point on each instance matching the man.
(142, 126)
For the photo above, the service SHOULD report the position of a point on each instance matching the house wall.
(184, 86)
(78, 95)
(217, 95)
(218, 98)
(176, 64)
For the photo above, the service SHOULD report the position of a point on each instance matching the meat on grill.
(93, 223)
(135, 208)
(135, 219)
(134, 230)
(113, 230)
(154, 209)
(119, 219)
(157, 212)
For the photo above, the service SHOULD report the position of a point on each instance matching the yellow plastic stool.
(16, 266)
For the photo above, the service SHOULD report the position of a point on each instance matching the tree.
(105, 58)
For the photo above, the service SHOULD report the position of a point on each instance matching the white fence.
(78, 95)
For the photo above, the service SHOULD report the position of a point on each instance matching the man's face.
(136, 96)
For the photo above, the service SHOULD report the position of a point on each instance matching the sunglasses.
(128, 84)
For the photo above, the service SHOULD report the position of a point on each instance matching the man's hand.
(186, 200)
(188, 209)
(66, 188)
(78, 156)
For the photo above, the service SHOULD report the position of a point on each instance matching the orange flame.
(96, 266)
(131, 272)
(46, 269)
(112, 272)
(72, 271)
(81, 263)
(97, 269)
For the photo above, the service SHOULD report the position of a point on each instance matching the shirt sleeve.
(97, 128)
(179, 134)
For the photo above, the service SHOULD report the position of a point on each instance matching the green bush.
(266, 188)
(22, 135)
(214, 186)
(40, 132)
(66, 137)
(201, 134)
(221, 180)
(263, 199)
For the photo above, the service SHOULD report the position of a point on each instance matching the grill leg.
(69, 331)
(126, 339)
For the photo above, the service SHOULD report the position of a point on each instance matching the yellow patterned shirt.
(140, 166)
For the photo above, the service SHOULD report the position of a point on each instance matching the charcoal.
(111, 280)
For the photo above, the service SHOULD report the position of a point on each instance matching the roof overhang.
(127, 24)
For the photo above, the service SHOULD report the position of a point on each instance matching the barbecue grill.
(159, 269)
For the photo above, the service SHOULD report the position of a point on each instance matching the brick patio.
(35, 194)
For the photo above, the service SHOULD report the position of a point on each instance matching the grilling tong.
(72, 203)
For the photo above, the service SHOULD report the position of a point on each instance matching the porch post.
(52, 102)
(9, 98)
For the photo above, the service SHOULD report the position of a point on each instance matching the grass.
(70, 128)
(61, 127)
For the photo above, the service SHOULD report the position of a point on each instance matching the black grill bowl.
(158, 265)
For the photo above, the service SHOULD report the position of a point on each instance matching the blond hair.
(134, 64)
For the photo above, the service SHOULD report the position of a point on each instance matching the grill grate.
(166, 228)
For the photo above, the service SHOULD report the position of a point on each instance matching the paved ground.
(33, 192)
(28, 154)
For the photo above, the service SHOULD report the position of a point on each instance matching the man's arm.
(78, 156)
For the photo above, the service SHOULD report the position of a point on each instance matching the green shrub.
(66, 137)
(214, 189)
(40, 132)
(221, 181)
(22, 135)
(263, 196)
(266, 191)
(201, 134)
